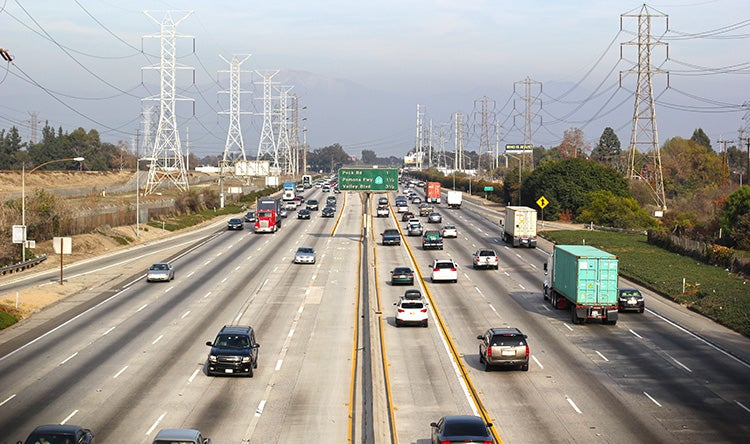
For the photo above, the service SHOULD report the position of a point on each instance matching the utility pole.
(644, 133)
(746, 138)
(234, 157)
(167, 162)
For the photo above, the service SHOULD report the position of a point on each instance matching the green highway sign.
(368, 179)
(489, 188)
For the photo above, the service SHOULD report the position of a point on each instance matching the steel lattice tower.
(167, 162)
(282, 144)
(419, 140)
(458, 162)
(484, 131)
(644, 133)
(267, 142)
(234, 149)
(295, 135)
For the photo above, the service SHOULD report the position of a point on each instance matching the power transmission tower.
(283, 144)
(419, 142)
(644, 133)
(458, 162)
(34, 127)
(484, 131)
(267, 142)
(234, 148)
(531, 102)
(167, 162)
(441, 146)
(294, 137)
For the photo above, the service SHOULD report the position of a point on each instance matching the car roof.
(176, 434)
(236, 329)
(57, 428)
(402, 268)
(505, 331)
(444, 260)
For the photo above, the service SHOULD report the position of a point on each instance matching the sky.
(360, 68)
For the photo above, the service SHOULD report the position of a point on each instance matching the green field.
(709, 290)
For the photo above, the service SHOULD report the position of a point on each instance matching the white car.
(382, 211)
(444, 270)
(450, 231)
(485, 258)
(290, 206)
(161, 271)
(304, 255)
(411, 311)
(401, 207)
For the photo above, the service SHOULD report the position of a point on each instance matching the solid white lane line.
(573, 404)
(192, 377)
(122, 370)
(652, 399)
(602, 356)
(156, 423)
(635, 334)
(738, 403)
(69, 358)
(67, 418)
(537, 362)
(14, 395)
(679, 363)
(261, 406)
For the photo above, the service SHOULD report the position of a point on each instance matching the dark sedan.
(303, 214)
(406, 216)
(55, 433)
(402, 276)
(328, 211)
(461, 429)
(235, 223)
(630, 299)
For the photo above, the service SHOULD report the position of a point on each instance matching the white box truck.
(453, 199)
(519, 227)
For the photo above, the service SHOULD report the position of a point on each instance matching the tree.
(328, 158)
(608, 148)
(689, 166)
(565, 183)
(573, 144)
(604, 208)
(701, 138)
(369, 157)
(736, 206)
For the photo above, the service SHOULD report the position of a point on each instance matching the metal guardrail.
(22, 266)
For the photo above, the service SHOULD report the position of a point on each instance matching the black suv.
(234, 351)
(55, 433)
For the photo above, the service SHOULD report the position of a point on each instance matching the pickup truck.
(432, 240)
(485, 258)
(391, 236)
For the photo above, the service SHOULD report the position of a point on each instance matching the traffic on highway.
(350, 328)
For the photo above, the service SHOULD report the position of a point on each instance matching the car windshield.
(235, 221)
(264, 214)
(487, 253)
(159, 267)
(629, 293)
(412, 305)
(401, 270)
(465, 428)
(232, 341)
(304, 250)
(444, 265)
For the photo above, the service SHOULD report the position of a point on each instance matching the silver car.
(161, 271)
(304, 255)
(182, 436)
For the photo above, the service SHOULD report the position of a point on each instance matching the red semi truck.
(267, 214)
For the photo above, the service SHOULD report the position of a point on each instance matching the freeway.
(127, 358)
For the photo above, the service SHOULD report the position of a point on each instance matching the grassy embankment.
(709, 290)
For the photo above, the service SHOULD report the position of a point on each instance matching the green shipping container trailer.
(583, 278)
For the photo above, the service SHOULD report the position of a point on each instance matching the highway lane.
(142, 360)
(591, 369)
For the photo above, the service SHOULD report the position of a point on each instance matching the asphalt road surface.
(127, 358)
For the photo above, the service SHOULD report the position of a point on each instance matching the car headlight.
(246, 359)
(212, 359)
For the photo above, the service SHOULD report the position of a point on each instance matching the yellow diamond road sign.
(542, 202)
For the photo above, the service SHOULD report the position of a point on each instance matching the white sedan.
(161, 271)
(450, 231)
(444, 270)
(304, 255)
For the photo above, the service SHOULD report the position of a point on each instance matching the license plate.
(228, 370)
(594, 313)
(632, 302)
(508, 353)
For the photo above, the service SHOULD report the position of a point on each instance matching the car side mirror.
(489, 425)
(395, 303)
(209, 344)
(545, 267)
(480, 337)
(256, 345)
(433, 424)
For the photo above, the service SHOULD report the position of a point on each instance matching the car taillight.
(400, 310)
(489, 351)
(497, 258)
(424, 310)
(453, 269)
(527, 351)
(435, 269)
(411, 274)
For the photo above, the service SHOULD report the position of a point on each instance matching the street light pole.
(23, 195)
